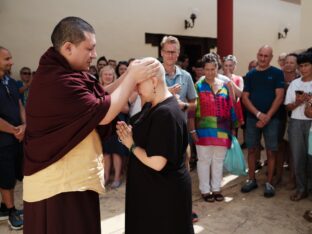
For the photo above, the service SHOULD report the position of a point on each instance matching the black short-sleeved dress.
(159, 202)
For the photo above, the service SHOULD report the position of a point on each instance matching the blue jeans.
(298, 134)
(271, 134)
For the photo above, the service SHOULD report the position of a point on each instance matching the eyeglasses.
(26, 73)
(169, 52)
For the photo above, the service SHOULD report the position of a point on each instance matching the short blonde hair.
(169, 40)
(107, 68)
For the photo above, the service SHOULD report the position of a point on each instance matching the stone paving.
(238, 214)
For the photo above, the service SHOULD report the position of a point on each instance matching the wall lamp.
(283, 34)
(188, 24)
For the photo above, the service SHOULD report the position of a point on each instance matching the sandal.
(116, 184)
(308, 215)
(218, 197)
(298, 196)
(208, 197)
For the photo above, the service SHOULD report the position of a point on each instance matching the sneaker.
(269, 190)
(15, 221)
(19, 212)
(249, 186)
(4, 214)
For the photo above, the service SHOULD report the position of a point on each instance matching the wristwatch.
(185, 107)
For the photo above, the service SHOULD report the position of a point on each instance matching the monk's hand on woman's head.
(143, 69)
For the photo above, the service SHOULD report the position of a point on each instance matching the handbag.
(234, 161)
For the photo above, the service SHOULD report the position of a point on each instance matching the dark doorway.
(193, 47)
(194, 52)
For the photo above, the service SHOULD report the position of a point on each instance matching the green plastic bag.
(234, 161)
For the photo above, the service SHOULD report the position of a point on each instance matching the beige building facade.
(121, 26)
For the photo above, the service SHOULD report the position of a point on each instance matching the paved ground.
(239, 214)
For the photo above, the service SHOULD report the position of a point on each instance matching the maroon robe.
(63, 107)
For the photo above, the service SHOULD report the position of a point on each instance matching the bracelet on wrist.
(193, 131)
(132, 147)
(258, 114)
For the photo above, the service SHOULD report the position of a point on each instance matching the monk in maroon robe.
(66, 106)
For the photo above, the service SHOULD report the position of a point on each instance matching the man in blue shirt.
(263, 95)
(12, 129)
(178, 80)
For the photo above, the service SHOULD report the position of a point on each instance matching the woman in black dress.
(158, 189)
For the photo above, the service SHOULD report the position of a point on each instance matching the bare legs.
(8, 197)
(116, 161)
(271, 155)
(252, 163)
(252, 156)
(107, 166)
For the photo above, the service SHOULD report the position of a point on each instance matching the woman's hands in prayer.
(124, 133)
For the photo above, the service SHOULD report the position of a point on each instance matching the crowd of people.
(88, 128)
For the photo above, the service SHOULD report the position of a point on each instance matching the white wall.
(305, 24)
(257, 23)
(121, 25)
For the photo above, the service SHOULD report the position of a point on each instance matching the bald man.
(12, 129)
(263, 95)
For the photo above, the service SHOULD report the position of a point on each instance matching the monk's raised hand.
(144, 69)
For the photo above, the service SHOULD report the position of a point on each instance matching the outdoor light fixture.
(188, 24)
(283, 34)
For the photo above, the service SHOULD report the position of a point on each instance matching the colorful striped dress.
(215, 116)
